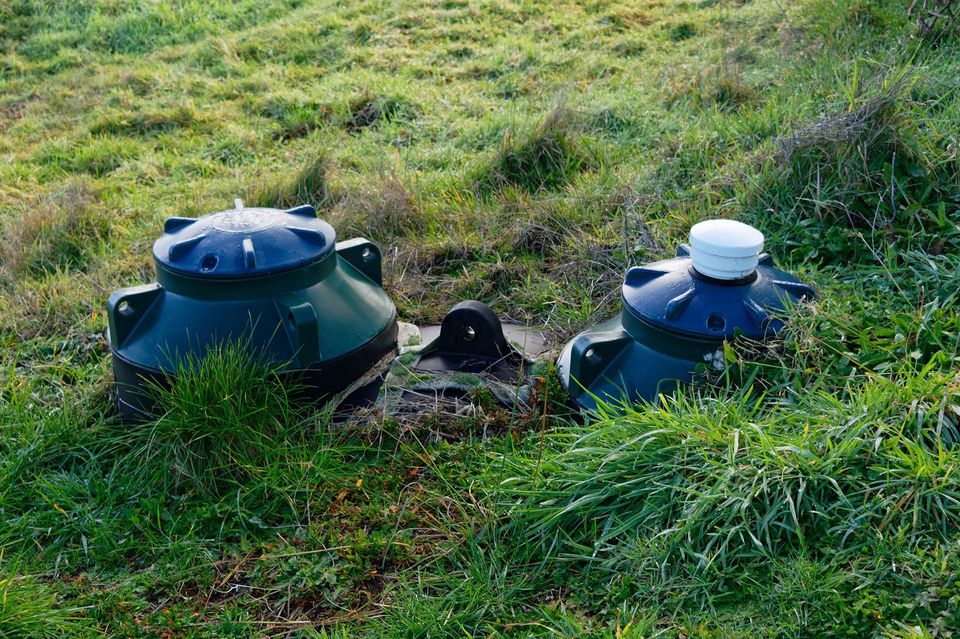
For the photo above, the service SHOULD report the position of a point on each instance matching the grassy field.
(524, 153)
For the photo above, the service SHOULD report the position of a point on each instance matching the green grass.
(523, 153)
(30, 609)
(736, 479)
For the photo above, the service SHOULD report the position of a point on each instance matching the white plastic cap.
(725, 249)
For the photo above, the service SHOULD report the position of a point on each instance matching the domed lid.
(244, 242)
(725, 249)
(675, 296)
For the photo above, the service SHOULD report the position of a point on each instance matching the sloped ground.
(522, 153)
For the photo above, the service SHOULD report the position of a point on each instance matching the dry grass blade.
(860, 125)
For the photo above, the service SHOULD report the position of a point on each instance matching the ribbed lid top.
(244, 242)
(675, 296)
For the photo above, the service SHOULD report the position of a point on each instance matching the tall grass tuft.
(873, 171)
(61, 232)
(306, 186)
(368, 110)
(545, 158)
(226, 418)
(30, 610)
(720, 482)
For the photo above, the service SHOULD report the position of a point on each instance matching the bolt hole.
(715, 322)
(368, 255)
(124, 308)
(468, 333)
(591, 356)
(209, 262)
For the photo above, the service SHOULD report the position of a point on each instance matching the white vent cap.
(725, 249)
